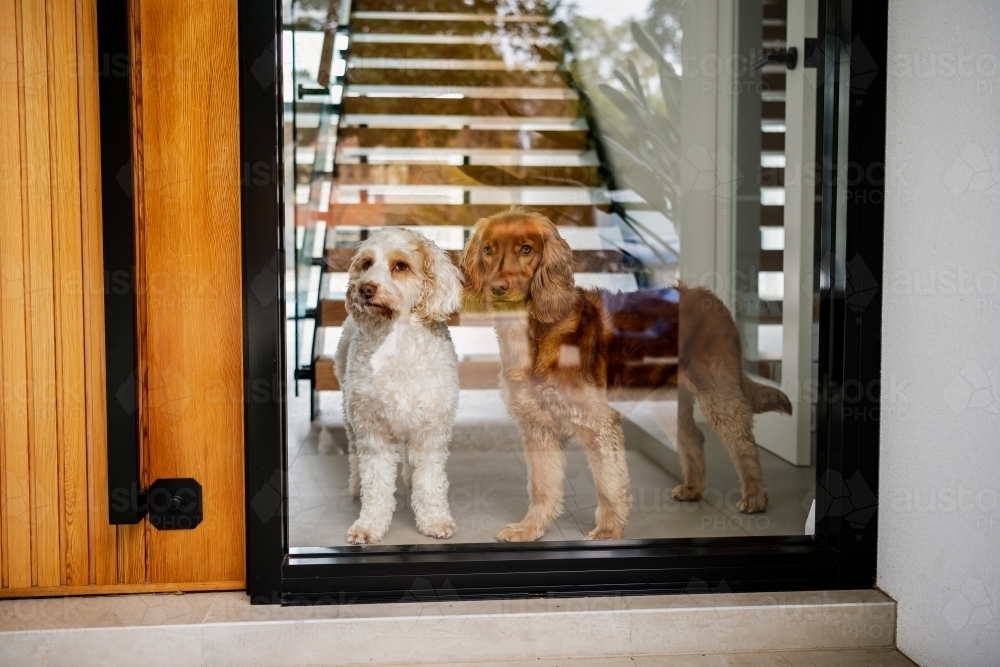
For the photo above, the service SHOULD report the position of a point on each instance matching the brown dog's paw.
(519, 532)
(685, 493)
(753, 504)
(606, 534)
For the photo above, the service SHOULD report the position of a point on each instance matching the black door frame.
(840, 555)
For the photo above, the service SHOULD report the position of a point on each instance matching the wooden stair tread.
(487, 52)
(454, 77)
(472, 374)
(333, 313)
(462, 107)
(498, 18)
(383, 26)
(772, 141)
(773, 80)
(471, 91)
(771, 177)
(450, 64)
(359, 137)
(584, 261)
(775, 33)
(771, 260)
(772, 111)
(772, 216)
(443, 122)
(450, 6)
(467, 175)
(385, 215)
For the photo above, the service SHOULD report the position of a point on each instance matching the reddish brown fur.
(570, 345)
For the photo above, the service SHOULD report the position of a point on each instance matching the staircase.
(452, 111)
(772, 177)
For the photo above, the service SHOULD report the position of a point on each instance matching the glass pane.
(632, 335)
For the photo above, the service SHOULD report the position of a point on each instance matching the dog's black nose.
(367, 290)
(499, 287)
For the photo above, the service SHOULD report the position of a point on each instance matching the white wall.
(939, 526)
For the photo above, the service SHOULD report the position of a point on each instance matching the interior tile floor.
(488, 481)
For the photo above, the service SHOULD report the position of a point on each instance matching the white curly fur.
(399, 373)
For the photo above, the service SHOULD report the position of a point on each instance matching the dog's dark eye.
(526, 249)
(366, 264)
(487, 250)
(400, 266)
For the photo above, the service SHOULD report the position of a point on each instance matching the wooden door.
(54, 532)
(186, 138)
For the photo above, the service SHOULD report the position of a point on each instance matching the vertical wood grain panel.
(16, 501)
(102, 536)
(54, 532)
(131, 560)
(42, 444)
(68, 272)
(193, 302)
(133, 563)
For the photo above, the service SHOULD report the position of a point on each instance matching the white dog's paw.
(327, 444)
(362, 534)
(442, 528)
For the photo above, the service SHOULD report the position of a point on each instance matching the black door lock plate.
(175, 504)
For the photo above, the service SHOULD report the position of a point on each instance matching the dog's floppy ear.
(352, 284)
(472, 270)
(442, 288)
(552, 286)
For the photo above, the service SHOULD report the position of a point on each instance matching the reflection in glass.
(640, 130)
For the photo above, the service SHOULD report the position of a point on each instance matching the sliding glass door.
(686, 155)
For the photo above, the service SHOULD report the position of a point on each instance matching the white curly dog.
(398, 370)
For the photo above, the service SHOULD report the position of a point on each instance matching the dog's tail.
(764, 398)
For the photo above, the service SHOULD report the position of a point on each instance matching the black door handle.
(789, 57)
(303, 91)
(126, 497)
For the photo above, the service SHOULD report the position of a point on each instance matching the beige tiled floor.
(488, 486)
(840, 658)
(816, 628)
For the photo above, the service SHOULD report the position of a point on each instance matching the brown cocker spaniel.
(562, 348)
